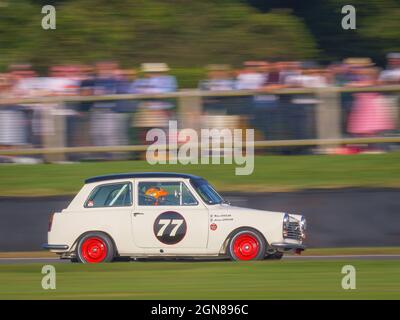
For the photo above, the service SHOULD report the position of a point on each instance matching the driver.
(157, 193)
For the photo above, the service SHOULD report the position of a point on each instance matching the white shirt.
(392, 75)
(250, 81)
(307, 81)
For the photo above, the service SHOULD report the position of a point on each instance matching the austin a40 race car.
(142, 215)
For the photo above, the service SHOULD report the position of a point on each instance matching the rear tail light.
(50, 221)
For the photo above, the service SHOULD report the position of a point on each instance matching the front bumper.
(284, 246)
(55, 246)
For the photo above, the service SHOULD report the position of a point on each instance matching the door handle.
(137, 213)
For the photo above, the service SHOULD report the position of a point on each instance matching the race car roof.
(141, 175)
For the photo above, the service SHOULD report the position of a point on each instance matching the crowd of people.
(108, 77)
(102, 123)
(256, 75)
(364, 114)
(101, 79)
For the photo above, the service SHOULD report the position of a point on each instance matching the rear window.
(110, 195)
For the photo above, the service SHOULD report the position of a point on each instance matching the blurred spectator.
(337, 74)
(253, 76)
(25, 82)
(106, 79)
(127, 81)
(219, 78)
(13, 119)
(371, 112)
(310, 76)
(127, 84)
(360, 72)
(87, 80)
(78, 126)
(154, 113)
(5, 85)
(371, 115)
(277, 73)
(392, 74)
(156, 79)
(287, 69)
(63, 80)
(108, 128)
(300, 112)
(263, 107)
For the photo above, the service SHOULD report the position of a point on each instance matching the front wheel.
(95, 247)
(246, 244)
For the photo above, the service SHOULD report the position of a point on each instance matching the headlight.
(303, 223)
(285, 225)
(303, 227)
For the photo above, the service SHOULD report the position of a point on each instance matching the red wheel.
(247, 245)
(95, 247)
(94, 250)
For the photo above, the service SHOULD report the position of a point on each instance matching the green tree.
(378, 26)
(183, 33)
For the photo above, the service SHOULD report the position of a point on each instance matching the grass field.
(205, 280)
(271, 173)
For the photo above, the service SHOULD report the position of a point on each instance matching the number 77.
(166, 222)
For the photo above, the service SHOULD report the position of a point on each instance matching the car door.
(168, 214)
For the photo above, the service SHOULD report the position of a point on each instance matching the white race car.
(141, 215)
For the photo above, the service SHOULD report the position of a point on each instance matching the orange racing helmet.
(156, 193)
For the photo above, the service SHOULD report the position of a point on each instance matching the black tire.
(274, 256)
(106, 246)
(256, 253)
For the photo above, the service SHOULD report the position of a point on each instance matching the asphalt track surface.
(336, 218)
(5, 261)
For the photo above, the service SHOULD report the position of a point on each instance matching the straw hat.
(154, 67)
(359, 62)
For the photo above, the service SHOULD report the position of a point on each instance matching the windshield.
(207, 192)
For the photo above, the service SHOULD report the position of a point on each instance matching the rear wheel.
(246, 244)
(95, 247)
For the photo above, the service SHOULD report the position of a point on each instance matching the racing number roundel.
(170, 227)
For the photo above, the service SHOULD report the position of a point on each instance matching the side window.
(187, 197)
(165, 194)
(110, 195)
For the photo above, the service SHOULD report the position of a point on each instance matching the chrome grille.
(293, 231)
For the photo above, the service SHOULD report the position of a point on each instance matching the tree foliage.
(180, 32)
(194, 33)
(377, 32)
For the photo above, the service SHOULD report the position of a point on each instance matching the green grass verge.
(205, 280)
(271, 173)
